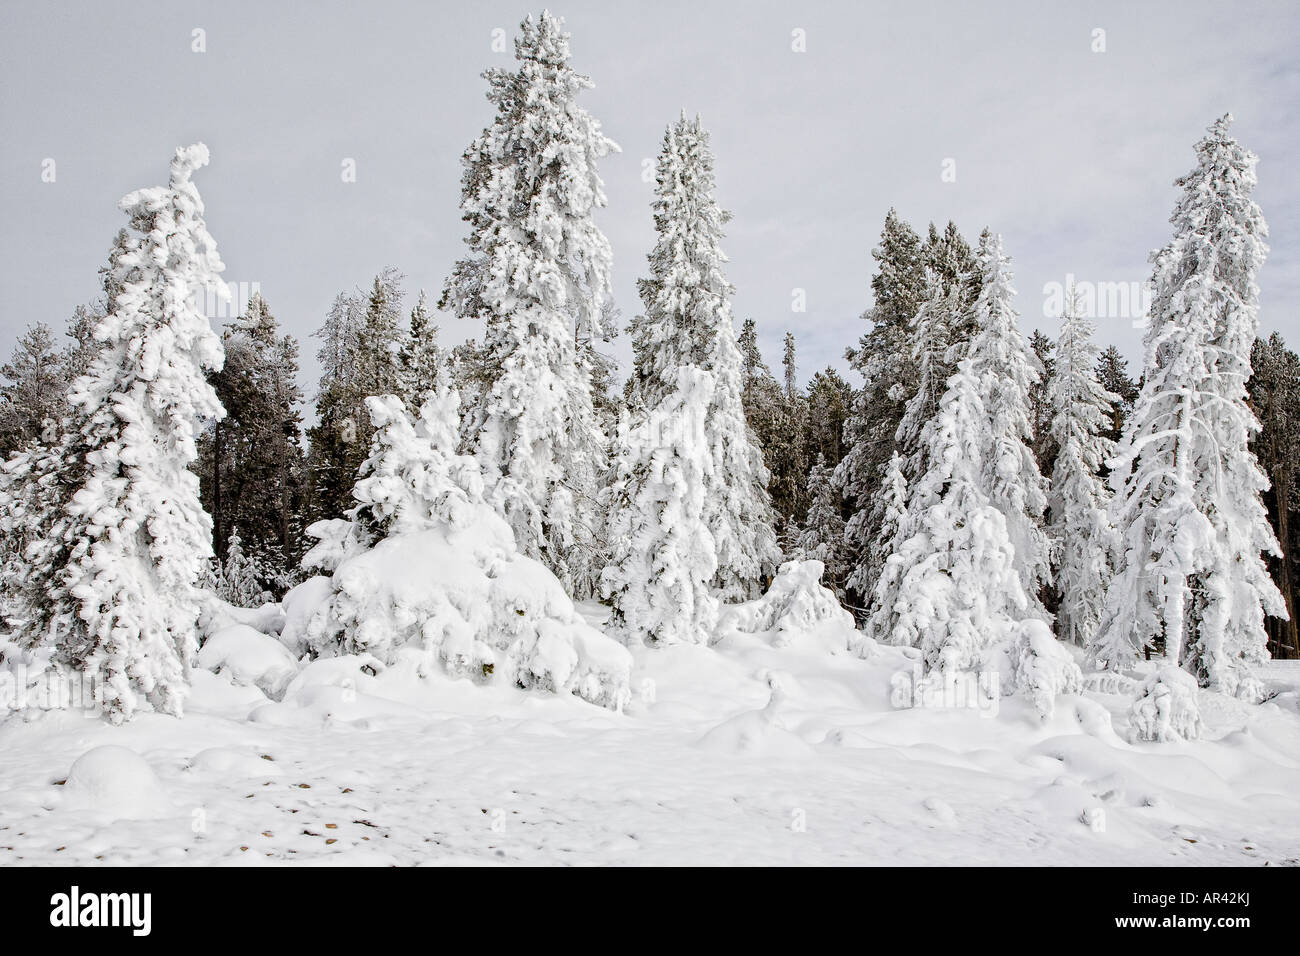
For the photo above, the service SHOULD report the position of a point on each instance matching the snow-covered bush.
(795, 604)
(1165, 708)
(249, 657)
(444, 574)
(1041, 667)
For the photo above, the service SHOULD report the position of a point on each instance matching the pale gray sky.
(1069, 153)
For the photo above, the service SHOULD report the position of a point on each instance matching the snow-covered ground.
(741, 753)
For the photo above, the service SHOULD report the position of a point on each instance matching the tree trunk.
(1282, 491)
(218, 530)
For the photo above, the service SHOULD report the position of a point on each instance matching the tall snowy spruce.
(687, 321)
(950, 586)
(1083, 539)
(1006, 369)
(663, 558)
(110, 589)
(884, 358)
(537, 265)
(1191, 581)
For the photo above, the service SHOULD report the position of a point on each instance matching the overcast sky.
(1069, 153)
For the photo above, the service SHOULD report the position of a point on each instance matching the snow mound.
(796, 607)
(757, 733)
(1166, 708)
(217, 615)
(299, 604)
(117, 782)
(230, 763)
(250, 658)
(1042, 668)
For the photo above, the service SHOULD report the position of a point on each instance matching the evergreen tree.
(822, 535)
(1274, 392)
(685, 290)
(237, 579)
(663, 560)
(420, 357)
(602, 370)
(360, 357)
(687, 320)
(111, 574)
(769, 415)
(950, 587)
(789, 368)
(1112, 373)
(32, 397)
(1007, 369)
(751, 355)
(829, 400)
(80, 351)
(787, 455)
(1191, 580)
(884, 359)
(537, 264)
(950, 258)
(1041, 411)
(1084, 541)
(251, 465)
(738, 507)
(381, 340)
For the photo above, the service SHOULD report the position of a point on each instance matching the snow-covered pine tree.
(1006, 369)
(687, 321)
(32, 397)
(237, 579)
(821, 537)
(111, 583)
(685, 291)
(930, 346)
(950, 588)
(80, 351)
(537, 264)
(1041, 410)
(359, 356)
(884, 358)
(829, 400)
(420, 356)
(381, 339)
(1083, 540)
(788, 460)
(737, 505)
(770, 419)
(602, 370)
(1112, 373)
(932, 367)
(663, 561)
(1191, 580)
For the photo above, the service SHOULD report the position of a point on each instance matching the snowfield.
(779, 747)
